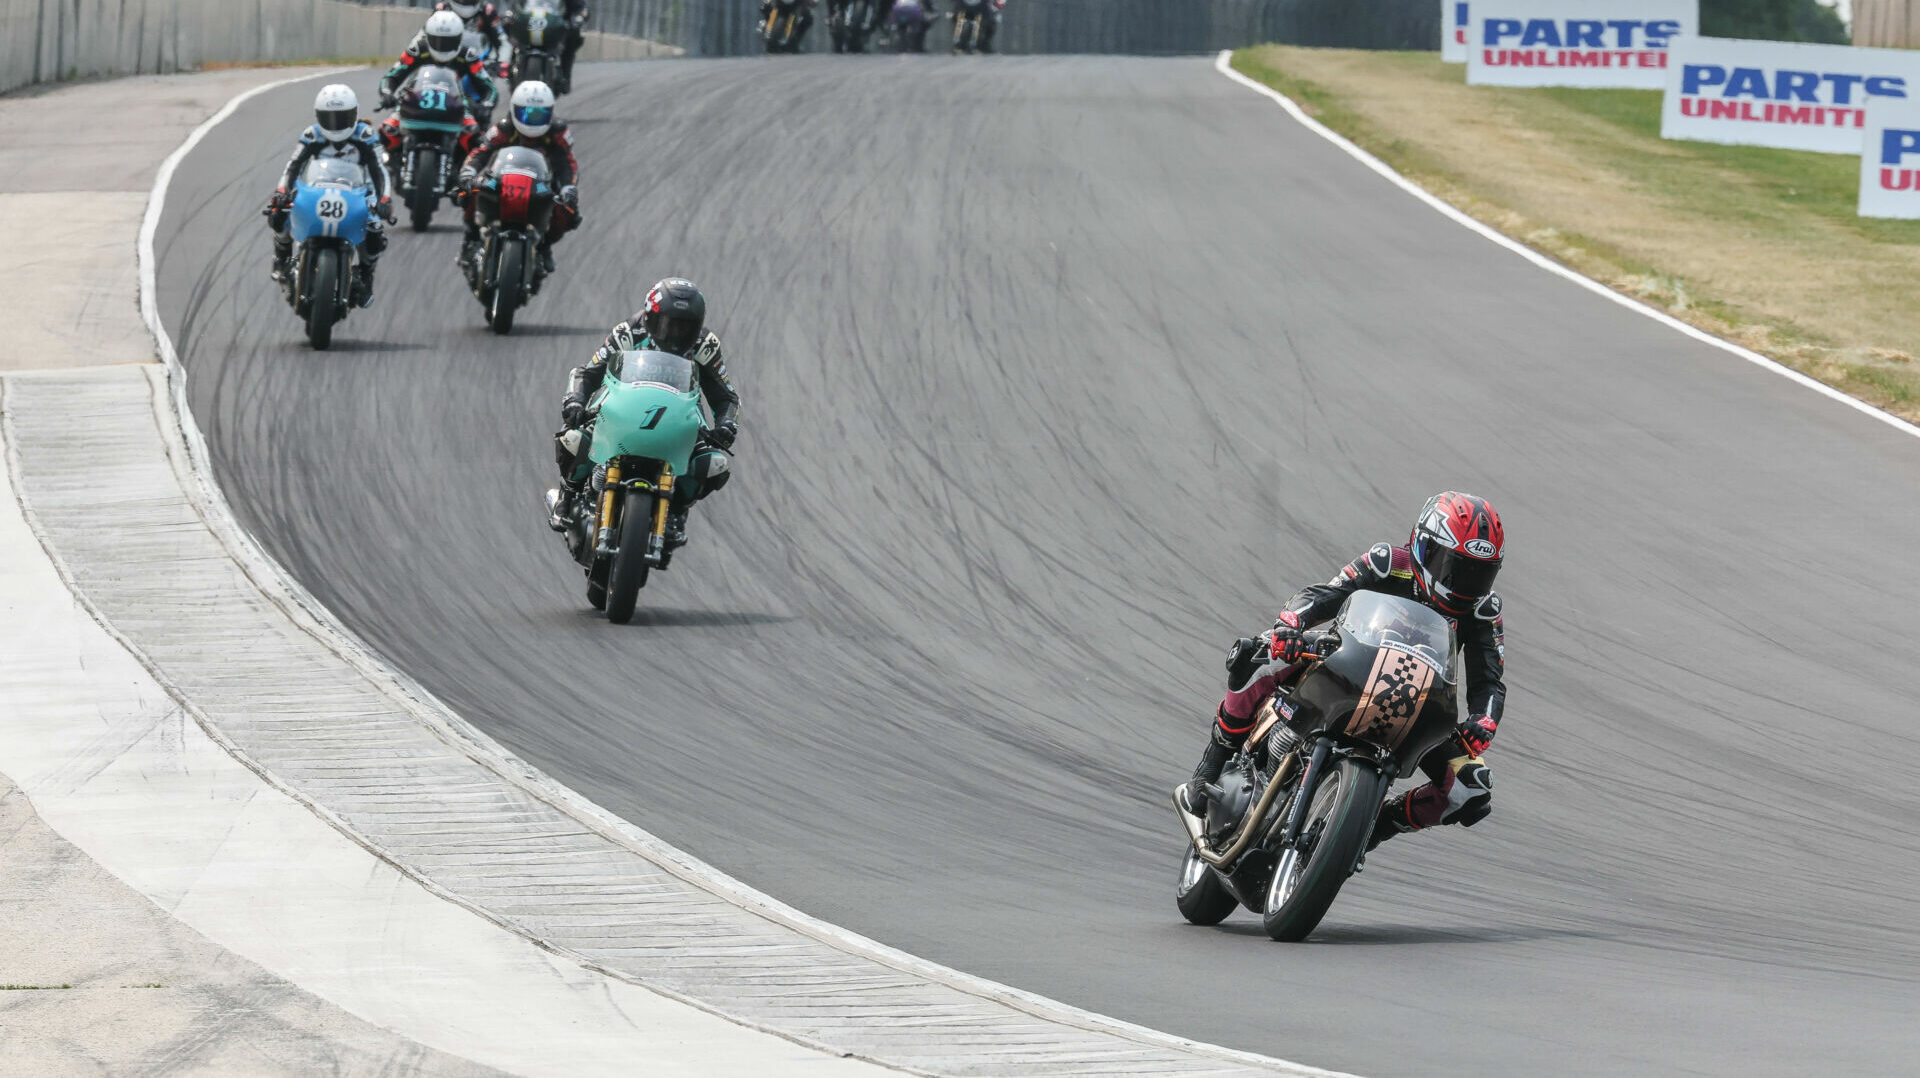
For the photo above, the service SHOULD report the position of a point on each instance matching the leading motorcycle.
(328, 219)
(538, 31)
(644, 424)
(786, 25)
(972, 28)
(514, 208)
(1289, 820)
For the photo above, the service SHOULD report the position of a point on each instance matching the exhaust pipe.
(1197, 828)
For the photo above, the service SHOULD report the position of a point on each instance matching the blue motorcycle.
(331, 201)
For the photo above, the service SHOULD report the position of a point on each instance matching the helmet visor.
(677, 335)
(443, 46)
(336, 123)
(533, 116)
(1454, 572)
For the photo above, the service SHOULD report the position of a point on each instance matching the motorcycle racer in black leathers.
(337, 131)
(1449, 565)
(576, 14)
(673, 319)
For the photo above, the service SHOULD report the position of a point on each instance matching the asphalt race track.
(1059, 373)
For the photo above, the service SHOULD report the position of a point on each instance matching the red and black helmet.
(1457, 546)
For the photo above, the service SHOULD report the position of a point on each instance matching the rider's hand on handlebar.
(387, 101)
(1476, 735)
(503, 69)
(1284, 641)
(572, 410)
(724, 435)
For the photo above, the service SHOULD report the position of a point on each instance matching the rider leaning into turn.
(673, 319)
(530, 122)
(337, 131)
(1449, 565)
(439, 42)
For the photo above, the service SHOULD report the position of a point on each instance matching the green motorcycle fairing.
(648, 406)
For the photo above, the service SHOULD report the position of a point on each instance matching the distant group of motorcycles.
(892, 25)
(331, 206)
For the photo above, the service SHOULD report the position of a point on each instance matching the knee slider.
(1472, 795)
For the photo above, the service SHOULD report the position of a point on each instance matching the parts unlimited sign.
(1622, 43)
(1781, 94)
(1890, 159)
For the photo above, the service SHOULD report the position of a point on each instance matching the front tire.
(323, 290)
(509, 272)
(422, 201)
(1202, 898)
(1339, 819)
(629, 572)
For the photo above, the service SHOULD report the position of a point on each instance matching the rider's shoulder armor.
(1381, 563)
(1488, 609)
(708, 351)
(312, 136)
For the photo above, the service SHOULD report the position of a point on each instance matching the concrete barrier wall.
(50, 40)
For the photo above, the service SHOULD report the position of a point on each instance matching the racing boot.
(283, 261)
(677, 526)
(469, 249)
(360, 290)
(545, 253)
(563, 503)
(1198, 789)
(1391, 821)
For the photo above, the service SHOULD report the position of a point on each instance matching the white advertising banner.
(1780, 93)
(1453, 31)
(1620, 43)
(1890, 159)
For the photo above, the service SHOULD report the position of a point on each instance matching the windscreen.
(654, 368)
(335, 172)
(1386, 621)
(523, 159)
(437, 78)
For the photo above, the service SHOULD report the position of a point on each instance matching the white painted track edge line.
(307, 612)
(1223, 63)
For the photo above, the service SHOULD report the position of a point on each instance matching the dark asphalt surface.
(1059, 374)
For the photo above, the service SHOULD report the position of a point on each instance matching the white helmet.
(532, 108)
(444, 32)
(464, 10)
(336, 110)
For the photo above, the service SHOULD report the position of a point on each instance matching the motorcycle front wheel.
(508, 274)
(1339, 819)
(629, 572)
(1202, 898)
(323, 290)
(422, 200)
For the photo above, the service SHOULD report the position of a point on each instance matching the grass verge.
(1756, 245)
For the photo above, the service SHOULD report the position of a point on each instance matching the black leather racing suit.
(711, 465)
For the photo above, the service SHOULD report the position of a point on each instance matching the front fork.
(662, 500)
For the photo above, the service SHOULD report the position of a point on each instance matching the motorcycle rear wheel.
(421, 201)
(1339, 819)
(629, 572)
(507, 277)
(323, 286)
(1202, 898)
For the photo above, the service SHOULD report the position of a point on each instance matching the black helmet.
(674, 316)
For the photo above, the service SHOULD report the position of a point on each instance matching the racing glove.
(1476, 734)
(385, 210)
(503, 69)
(570, 196)
(573, 409)
(1284, 643)
(387, 100)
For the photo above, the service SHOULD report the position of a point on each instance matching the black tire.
(323, 286)
(1340, 818)
(597, 591)
(629, 572)
(421, 201)
(507, 285)
(1202, 898)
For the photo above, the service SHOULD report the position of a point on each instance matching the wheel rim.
(1192, 871)
(1286, 875)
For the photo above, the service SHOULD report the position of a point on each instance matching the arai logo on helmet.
(1479, 548)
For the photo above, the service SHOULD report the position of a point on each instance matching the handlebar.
(1320, 644)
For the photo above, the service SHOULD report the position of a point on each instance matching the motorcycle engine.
(1237, 789)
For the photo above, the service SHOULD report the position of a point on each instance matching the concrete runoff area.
(1059, 374)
